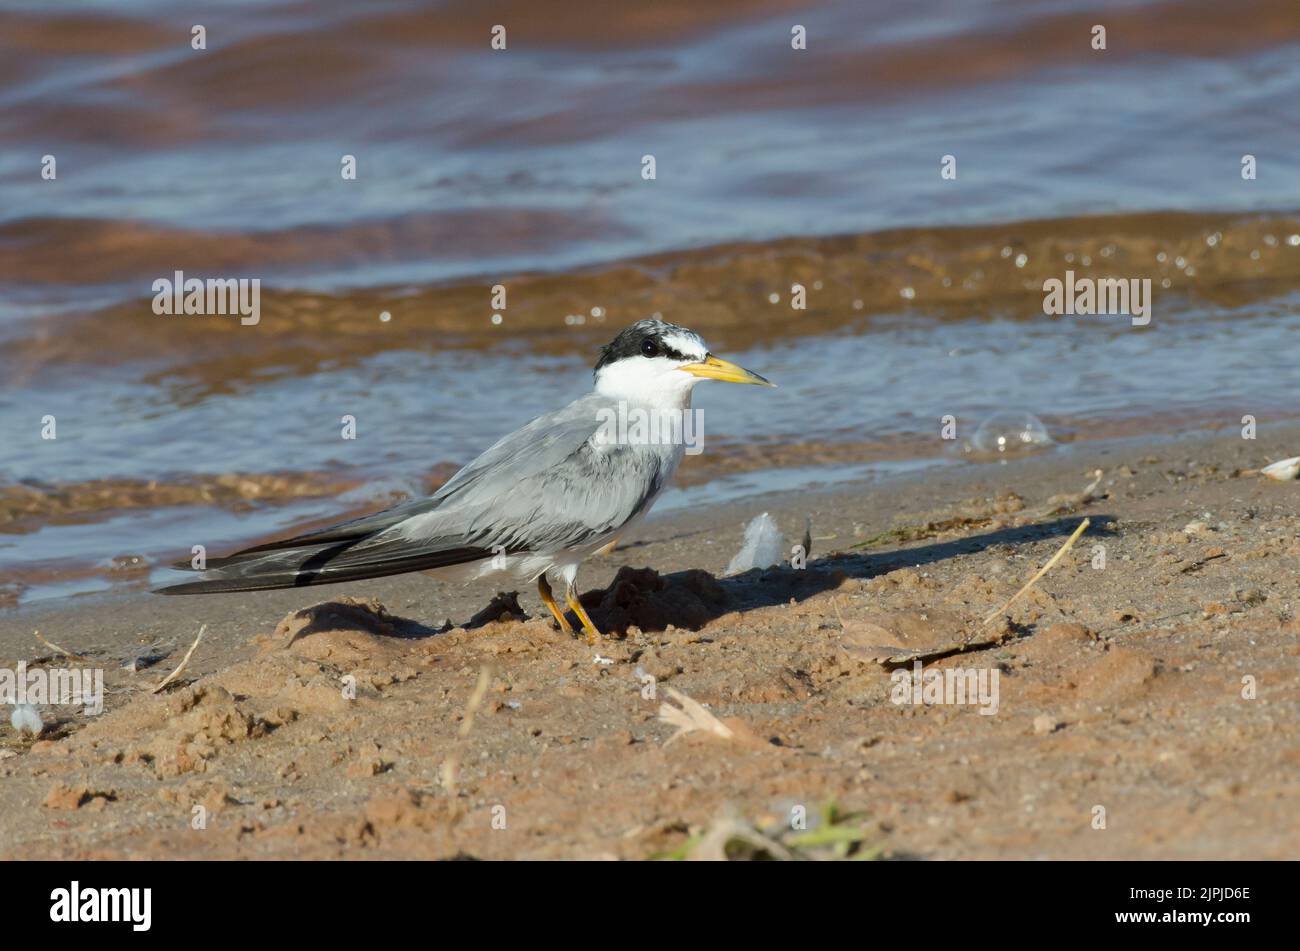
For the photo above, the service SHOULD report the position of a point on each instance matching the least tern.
(539, 501)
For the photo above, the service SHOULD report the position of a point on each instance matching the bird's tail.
(300, 562)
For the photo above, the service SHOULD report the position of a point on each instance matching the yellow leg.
(576, 607)
(544, 589)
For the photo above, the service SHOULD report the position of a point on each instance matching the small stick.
(184, 660)
(1041, 571)
(62, 651)
(451, 765)
(475, 699)
(691, 717)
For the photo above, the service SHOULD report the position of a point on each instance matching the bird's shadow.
(682, 601)
(693, 598)
(354, 615)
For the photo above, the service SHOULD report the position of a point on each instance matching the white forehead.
(686, 342)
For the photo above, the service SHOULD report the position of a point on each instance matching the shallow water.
(524, 167)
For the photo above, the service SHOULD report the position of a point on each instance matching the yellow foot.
(593, 632)
(544, 589)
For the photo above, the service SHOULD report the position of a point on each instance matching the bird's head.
(659, 363)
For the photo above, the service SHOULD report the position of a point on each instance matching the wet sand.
(1120, 687)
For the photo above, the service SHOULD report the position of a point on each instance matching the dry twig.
(451, 765)
(184, 660)
(62, 651)
(691, 717)
(1041, 571)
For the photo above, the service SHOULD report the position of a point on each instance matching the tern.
(539, 502)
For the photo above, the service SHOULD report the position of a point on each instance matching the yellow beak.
(715, 369)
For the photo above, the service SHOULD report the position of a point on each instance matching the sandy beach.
(1123, 688)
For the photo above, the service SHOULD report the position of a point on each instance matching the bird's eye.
(649, 348)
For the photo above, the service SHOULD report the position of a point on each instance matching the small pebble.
(1044, 724)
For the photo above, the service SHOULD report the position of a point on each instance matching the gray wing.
(543, 488)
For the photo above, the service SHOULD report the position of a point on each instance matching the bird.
(540, 501)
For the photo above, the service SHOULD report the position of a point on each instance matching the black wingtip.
(226, 586)
(190, 587)
(222, 585)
